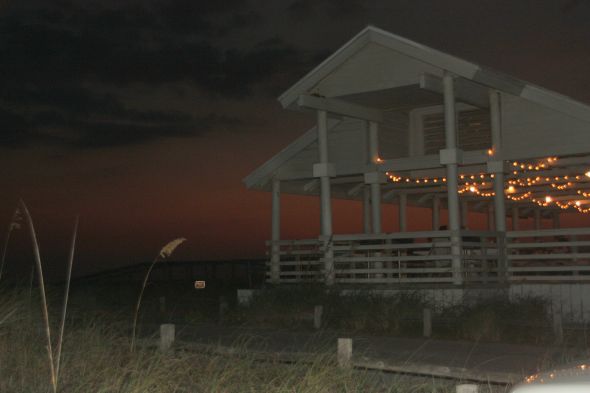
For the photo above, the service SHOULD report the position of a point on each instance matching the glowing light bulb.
(548, 199)
(578, 203)
(511, 190)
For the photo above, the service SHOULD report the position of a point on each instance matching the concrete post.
(557, 325)
(452, 172)
(275, 258)
(467, 388)
(317, 316)
(345, 352)
(325, 197)
(427, 322)
(167, 333)
(223, 307)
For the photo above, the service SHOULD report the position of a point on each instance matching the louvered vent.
(474, 131)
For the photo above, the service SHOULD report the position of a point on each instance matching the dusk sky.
(144, 116)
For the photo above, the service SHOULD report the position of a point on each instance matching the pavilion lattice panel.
(473, 131)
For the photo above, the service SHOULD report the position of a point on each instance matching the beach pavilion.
(401, 123)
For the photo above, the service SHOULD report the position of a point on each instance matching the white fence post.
(167, 333)
(344, 352)
(317, 316)
(427, 322)
(223, 307)
(557, 325)
(467, 388)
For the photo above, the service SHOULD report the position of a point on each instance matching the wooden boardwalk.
(470, 361)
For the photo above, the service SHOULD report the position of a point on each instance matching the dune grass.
(96, 358)
(496, 319)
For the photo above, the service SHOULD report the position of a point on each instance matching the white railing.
(553, 255)
(549, 255)
(300, 260)
(398, 258)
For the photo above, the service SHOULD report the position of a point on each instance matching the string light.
(517, 184)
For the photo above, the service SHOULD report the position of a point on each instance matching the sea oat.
(169, 248)
(165, 252)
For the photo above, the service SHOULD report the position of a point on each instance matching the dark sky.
(143, 116)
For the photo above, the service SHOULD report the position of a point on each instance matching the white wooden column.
(403, 212)
(537, 218)
(435, 213)
(323, 170)
(515, 218)
(496, 167)
(375, 184)
(450, 157)
(464, 214)
(366, 210)
(556, 223)
(275, 258)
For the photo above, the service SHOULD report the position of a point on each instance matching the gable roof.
(433, 58)
(264, 172)
(425, 54)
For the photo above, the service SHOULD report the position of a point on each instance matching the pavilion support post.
(556, 222)
(496, 168)
(374, 179)
(275, 258)
(375, 185)
(515, 223)
(464, 214)
(403, 212)
(435, 213)
(366, 210)
(376, 207)
(324, 170)
(451, 156)
(537, 219)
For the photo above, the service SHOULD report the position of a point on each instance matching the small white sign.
(199, 284)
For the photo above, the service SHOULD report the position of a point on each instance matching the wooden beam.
(340, 107)
(311, 185)
(424, 198)
(465, 90)
(355, 190)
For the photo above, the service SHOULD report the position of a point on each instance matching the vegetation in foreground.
(496, 319)
(96, 357)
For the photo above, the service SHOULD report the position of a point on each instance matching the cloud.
(61, 56)
(161, 42)
(79, 118)
(337, 8)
